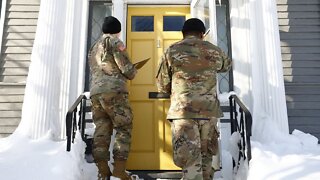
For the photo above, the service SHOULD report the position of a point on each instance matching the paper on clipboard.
(140, 64)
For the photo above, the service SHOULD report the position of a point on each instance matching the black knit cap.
(111, 25)
(193, 25)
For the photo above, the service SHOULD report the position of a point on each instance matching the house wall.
(254, 44)
(19, 27)
(56, 74)
(299, 25)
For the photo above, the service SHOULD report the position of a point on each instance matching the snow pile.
(296, 158)
(23, 158)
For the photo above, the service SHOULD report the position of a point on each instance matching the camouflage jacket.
(110, 66)
(188, 72)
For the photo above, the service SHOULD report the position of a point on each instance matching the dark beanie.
(193, 25)
(111, 25)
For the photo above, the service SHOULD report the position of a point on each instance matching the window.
(223, 38)
(98, 10)
(203, 11)
(142, 23)
(173, 23)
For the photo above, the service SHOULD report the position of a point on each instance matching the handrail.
(71, 120)
(242, 125)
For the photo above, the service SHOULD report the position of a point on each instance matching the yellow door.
(150, 30)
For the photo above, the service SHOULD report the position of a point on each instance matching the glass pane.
(202, 12)
(97, 12)
(142, 23)
(173, 23)
(222, 34)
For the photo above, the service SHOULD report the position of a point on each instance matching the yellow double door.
(150, 31)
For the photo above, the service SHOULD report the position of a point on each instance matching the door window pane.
(173, 23)
(142, 23)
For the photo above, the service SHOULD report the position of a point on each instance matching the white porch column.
(240, 41)
(258, 76)
(267, 71)
(53, 68)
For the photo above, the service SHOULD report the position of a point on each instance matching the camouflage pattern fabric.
(110, 66)
(194, 143)
(111, 111)
(188, 72)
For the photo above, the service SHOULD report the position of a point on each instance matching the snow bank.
(23, 158)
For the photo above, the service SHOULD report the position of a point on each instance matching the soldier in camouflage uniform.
(110, 68)
(188, 72)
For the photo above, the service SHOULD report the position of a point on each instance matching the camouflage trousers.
(111, 111)
(194, 143)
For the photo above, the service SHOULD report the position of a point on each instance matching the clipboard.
(140, 64)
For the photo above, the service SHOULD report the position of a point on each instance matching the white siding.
(18, 36)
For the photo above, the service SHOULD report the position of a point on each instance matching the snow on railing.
(241, 123)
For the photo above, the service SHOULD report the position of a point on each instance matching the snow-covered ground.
(297, 158)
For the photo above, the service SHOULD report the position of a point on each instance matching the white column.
(240, 34)
(258, 76)
(51, 72)
(268, 83)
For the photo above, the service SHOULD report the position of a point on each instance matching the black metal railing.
(74, 122)
(240, 118)
(241, 122)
